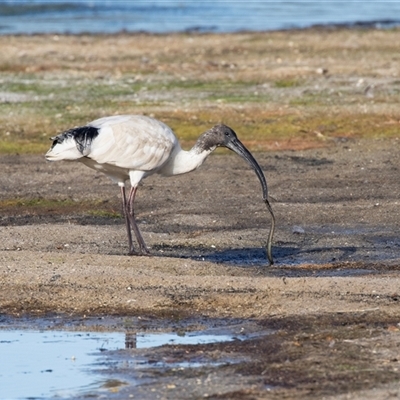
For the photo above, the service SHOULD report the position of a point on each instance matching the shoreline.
(330, 27)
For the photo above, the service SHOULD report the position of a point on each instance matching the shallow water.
(46, 364)
(50, 363)
(162, 16)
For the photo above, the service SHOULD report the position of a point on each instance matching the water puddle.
(51, 363)
(61, 364)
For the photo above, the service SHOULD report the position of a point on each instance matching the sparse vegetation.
(271, 93)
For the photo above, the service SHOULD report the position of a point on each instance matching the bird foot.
(144, 252)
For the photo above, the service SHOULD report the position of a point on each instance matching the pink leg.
(127, 223)
(139, 238)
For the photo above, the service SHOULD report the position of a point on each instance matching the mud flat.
(323, 322)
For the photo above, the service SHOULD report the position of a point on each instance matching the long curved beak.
(238, 147)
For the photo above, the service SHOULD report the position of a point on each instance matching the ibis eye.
(56, 140)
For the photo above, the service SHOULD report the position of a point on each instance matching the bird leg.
(131, 214)
(127, 223)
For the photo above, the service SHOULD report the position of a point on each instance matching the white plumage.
(135, 146)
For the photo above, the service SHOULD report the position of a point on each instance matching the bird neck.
(182, 161)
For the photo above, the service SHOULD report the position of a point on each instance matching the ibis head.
(224, 136)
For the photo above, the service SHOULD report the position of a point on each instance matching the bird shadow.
(289, 261)
(253, 256)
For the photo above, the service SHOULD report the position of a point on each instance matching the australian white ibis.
(135, 146)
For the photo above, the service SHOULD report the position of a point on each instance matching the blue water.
(161, 16)
(51, 364)
(62, 364)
